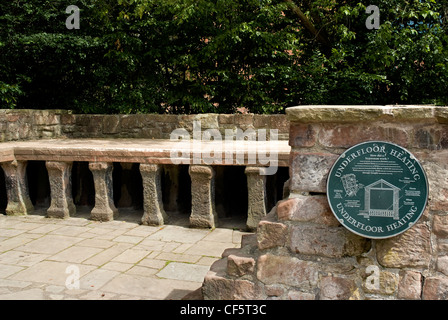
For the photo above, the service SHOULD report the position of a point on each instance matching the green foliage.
(193, 56)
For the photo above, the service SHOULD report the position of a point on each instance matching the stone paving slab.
(77, 258)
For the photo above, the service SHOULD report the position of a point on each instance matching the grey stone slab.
(97, 278)
(180, 234)
(50, 272)
(30, 294)
(210, 248)
(71, 230)
(75, 254)
(184, 271)
(14, 242)
(50, 244)
(20, 258)
(149, 287)
(7, 270)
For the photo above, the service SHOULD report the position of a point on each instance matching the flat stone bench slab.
(151, 154)
(158, 151)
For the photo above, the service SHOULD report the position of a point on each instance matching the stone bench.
(151, 155)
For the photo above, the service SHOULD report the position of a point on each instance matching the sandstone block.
(271, 234)
(440, 226)
(307, 209)
(442, 264)
(409, 249)
(347, 135)
(287, 270)
(298, 295)
(387, 283)
(337, 288)
(225, 118)
(238, 266)
(436, 168)
(326, 241)
(280, 122)
(111, 124)
(302, 135)
(410, 285)
(244, 121)
(309, 171)
(435, 288)
(217, 287)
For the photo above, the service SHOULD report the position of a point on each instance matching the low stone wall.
(22, 124)
(301, 251)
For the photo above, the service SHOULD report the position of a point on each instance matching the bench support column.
(59, 174)
(104, 209)
(19, 202)
(203, 214)
(154, 214)
(256, 185)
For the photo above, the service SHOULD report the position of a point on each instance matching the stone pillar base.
(256, 187)
(19, 202)
(104, 209)
(154, 214)
(203, 213)
(59, 174)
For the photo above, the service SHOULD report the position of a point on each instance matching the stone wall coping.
(143, 151)
(354, 113)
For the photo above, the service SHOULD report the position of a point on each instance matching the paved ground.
(76, 258)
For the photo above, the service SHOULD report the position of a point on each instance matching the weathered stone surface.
(59, 174)
(238, 265)
(327, 113)
(104, 209)
(217, 287)
(410, 285)
(274, 290)
(203, 213)
(309, 171)
(307, 209)
(440, 226)
(409, 249)
(436, 169)
(302, 135)
(435, 288)
(154, 214)
(298, 295)
(354, 113)
(111, 124)
(287, 270)
(385, 284)
(256, 187)
(337, 288)
(19, 202)
(442, 264)
(271, 234)
(326, 241)
(346, 135)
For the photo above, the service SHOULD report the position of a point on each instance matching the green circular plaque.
(377, 189)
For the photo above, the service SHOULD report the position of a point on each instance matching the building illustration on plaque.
(381, 200)
(350, 184)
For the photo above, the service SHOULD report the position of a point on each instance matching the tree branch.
(307, 24)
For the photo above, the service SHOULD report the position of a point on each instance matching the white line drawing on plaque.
(381, 200)
(350, 184)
